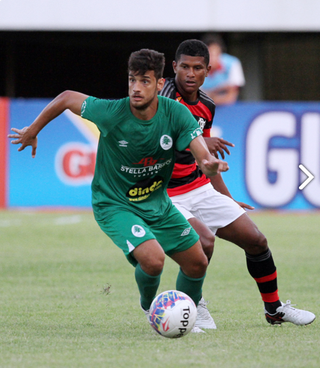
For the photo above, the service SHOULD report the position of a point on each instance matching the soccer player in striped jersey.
(206, 202)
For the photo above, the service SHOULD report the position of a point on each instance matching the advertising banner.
(62, 171)
(272, 141)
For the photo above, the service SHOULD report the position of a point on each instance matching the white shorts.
(214, 209)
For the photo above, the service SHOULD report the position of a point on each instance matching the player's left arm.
(208, 164)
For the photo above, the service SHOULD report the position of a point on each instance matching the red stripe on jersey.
(266, 278)
(206, 133)
(199, 182)
(199, 109)
(180, 171)
(270, 297)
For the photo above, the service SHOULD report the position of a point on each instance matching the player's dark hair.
(193, 48)
(214, 38)
(143, 60)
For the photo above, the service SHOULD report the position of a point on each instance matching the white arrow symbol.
(309, 175)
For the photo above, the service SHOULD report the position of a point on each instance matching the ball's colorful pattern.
(163, 301)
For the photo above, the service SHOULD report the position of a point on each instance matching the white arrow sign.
(310, 177)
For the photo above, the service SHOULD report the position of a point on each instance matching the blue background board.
(34, 181)
(236, 122)
(263, 164)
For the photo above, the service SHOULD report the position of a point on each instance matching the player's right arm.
(28, 136)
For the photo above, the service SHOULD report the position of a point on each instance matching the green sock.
(190, 286)
(148, 286)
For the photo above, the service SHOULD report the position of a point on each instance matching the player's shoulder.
(172, 108)
(206, 100)
(104, 101)
(101, 106)
(169, 89)
(168, 103)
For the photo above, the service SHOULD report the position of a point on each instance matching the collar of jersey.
(140, 120)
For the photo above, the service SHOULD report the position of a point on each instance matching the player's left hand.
(24, 138)
(216, 145)
(245, 206)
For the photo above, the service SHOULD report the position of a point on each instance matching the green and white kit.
(134, 163)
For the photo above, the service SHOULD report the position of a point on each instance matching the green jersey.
(135, 157)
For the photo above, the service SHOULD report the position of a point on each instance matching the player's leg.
(189, 280)
(135, 238)
(150, 257)
(181, 243)
(184, 203)
(207, 238)
(244, 233)
(193, 265)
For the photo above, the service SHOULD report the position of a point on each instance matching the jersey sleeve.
(101, 112)
(188, 127)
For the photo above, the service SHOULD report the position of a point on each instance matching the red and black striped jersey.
(186, 174)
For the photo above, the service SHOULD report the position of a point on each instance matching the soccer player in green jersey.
(135, 158)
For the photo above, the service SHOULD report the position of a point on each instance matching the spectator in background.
(226, 75)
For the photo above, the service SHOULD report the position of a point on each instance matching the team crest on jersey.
(202, 123)
(166, 142)
(138, 231)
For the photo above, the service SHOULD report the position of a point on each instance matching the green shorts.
(127, 230)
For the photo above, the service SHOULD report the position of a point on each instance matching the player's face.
(143, 89)
(190, 74)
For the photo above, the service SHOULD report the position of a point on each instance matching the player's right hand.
(25, 138)
(214, 166)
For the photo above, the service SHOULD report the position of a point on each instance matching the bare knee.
(153, 266)
(257, 244)
(197, 268)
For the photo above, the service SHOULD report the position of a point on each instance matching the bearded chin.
(145, 106)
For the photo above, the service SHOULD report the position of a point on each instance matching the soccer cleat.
(204, 319)
(146, 312)
(286, 313)
(197, 330)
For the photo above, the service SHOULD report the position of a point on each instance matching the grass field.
(69, 299)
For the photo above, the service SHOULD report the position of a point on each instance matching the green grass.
(55, 309)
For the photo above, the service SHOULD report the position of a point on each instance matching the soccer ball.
(173, 314)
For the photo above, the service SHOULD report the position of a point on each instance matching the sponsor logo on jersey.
(166, 142)
(186, 231)
(138, 231)
(143, 189)
(123, 143)
(196, 133)
(147, 161)
(150, 167)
